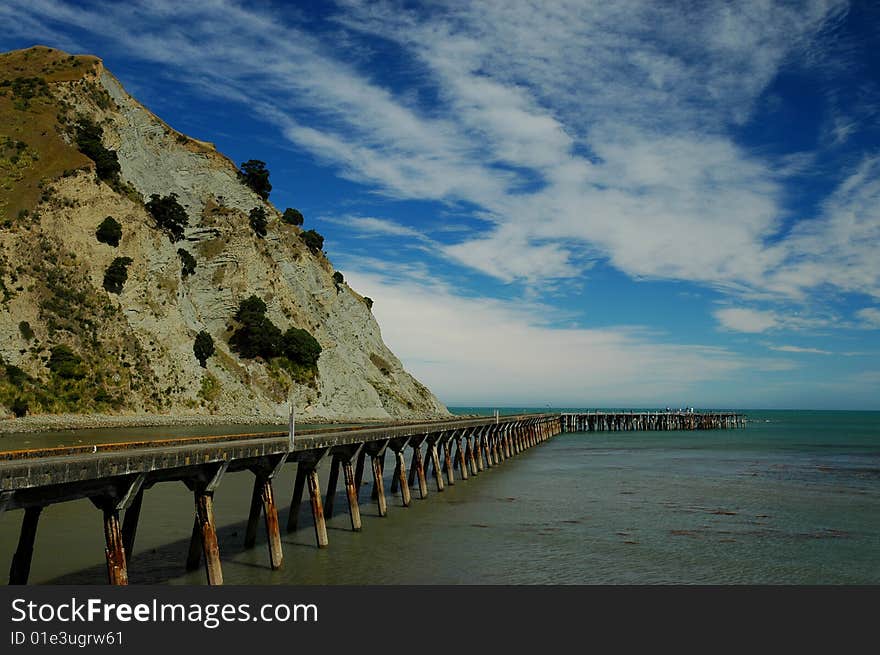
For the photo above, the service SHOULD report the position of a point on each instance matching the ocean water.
(794, 498)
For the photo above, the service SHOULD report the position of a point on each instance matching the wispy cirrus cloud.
(583, 131)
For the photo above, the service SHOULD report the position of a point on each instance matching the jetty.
(116, 476)
(599, 421)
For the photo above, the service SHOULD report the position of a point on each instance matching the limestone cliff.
(136, 347)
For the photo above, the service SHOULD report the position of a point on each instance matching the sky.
(628, 204)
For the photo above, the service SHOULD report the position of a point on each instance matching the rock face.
(136, 347)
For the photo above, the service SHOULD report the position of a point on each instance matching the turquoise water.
(792, 499)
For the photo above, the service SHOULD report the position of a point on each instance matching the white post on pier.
(291, 428)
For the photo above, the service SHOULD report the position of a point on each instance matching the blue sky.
(629, 203)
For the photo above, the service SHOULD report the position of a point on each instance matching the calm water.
(794, 498)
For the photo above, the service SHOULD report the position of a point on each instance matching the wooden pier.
(599, 421)
(115, 477)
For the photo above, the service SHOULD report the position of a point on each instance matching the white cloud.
(801, 350)
(482, 350)
(372, 226)
(869, 317)
(746, 320)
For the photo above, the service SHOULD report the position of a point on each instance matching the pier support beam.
(418, 467)
(317, 508)
(447, 460)
(21, 560)
(405, 496)
(354, 510)
(379, 484)
(207, 532)
(435, 462)
(463, 465)
(263, 502)
(117, 571)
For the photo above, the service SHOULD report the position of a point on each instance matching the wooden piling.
(379, 484)
(405, 496)
(21, 560)
(117, 571)
(317, 508)
(447, 460)
(204, 501)
(354, 510)
(435, 462)
(462, 462)
(419, 468)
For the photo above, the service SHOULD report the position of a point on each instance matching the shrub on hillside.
(187, 261)
(65, 363)
(168, 214)
(257, 336)
(255, 175)
(300, 347)
(292, 216)
(258, 221)
(89, 141)
(313, 240)
(109, 232)
(116, 274)
(203, 347)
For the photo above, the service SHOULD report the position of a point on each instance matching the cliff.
(130, 350)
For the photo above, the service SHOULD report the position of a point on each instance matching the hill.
(122, 240)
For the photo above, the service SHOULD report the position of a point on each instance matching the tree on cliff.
(168, 214)
(292, 216)
(203, 348)
(89, 142)
(258, 221)
(109, 232)
(116, 274)
(255, 174)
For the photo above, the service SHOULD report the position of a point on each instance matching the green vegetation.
(255, 175)
(88, 137)
(66, 364)
(313, 240)
(27, 332)
(168, 214)
(258, 336)
(109, 232)
(210, 389)
(292, 216)
(300, 347)
(258, 221)
(203, 348)
(188, 262)
(25, 89)
(116, 274)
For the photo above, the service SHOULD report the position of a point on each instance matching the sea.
(792, 498)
